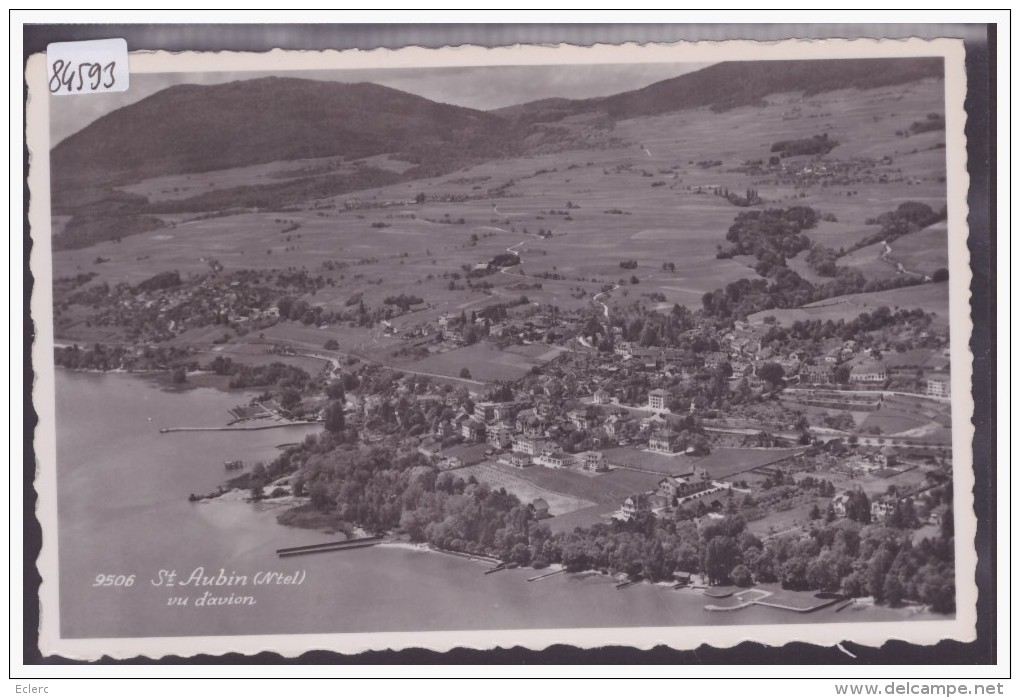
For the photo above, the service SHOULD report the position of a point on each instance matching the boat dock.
(331, 546)
(173, 430)
(758, 597)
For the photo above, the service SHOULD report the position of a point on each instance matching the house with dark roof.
(472, 429)
(540, 507)
(520, 460)
(665, 441)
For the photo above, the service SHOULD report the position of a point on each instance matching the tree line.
(384, 490)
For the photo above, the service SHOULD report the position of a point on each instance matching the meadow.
(932, 298)
(647, 194)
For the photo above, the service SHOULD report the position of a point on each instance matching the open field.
(727, 462)
(639, 459)
(646, 196)
(932, 298)
(255, 355)
(499, 476)
(892, 421)
(868, 261)
(582, 518)
(485, 362)
(608, 488)
(175, 187)
(782, 521)
(924, 251)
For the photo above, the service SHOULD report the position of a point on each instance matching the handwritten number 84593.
(75, 79)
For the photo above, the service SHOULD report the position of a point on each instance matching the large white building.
(530, 446)
(594, 461)
(499, 435)
(664, 442)
(938, 385)
(658, 399)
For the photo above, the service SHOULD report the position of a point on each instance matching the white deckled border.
(961, 628)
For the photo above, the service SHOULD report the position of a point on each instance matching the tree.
(180, 375)
(721, 556)
(333, 417)
(771, 373)
(858, 507)
(331, 345)
(741, 576)
(940, 275)
(335, 390)
(465, 373)
(289, 398)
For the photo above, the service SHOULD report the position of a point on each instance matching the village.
(605, 414)
(783, 437)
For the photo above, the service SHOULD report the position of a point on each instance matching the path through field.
(899, 266)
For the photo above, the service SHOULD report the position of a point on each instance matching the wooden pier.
(173, 430)
(331, 546)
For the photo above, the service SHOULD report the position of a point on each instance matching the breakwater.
(263, 427)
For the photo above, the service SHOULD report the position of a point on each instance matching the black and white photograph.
(637, 345)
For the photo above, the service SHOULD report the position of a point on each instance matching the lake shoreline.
(117, 476)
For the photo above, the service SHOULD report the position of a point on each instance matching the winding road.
(899, 266)
(605, 308)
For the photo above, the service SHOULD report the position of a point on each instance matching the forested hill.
(195, 128)
(734, 84)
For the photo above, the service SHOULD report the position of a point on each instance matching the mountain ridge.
(732, 84)
(195, 128)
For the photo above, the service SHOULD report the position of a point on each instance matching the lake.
(123, 490)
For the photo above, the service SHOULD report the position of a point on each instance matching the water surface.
(123, 491)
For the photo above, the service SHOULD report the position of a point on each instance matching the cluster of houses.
(869, 368)
(745, 354)
(677, 490)
(521, 433)
(454, 328)
(884, 505)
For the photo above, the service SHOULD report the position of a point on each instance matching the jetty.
(758, 597)
(261, 427)
(799, 609)
(547, 574)
(468, 556)
(330, 547)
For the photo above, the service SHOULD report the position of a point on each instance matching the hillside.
(275, 144)
(196, 128)
(735, 84)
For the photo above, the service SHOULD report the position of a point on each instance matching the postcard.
(634, 345)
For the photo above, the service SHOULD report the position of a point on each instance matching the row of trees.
(784, 288)
(383, 490)
(101, 357)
